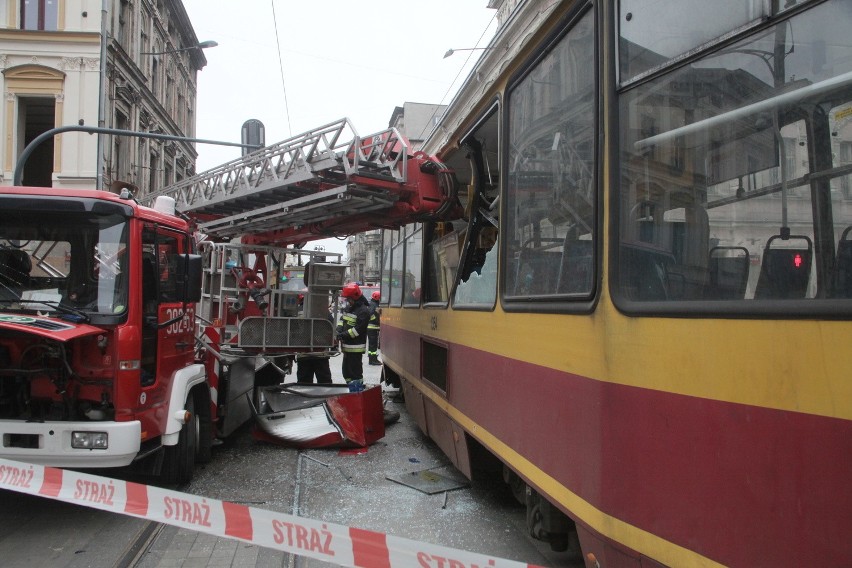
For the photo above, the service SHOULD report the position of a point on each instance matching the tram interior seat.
(576, 268)
(537, 270)
(728, 273)
(784, 272)
(843, 269)
(689, 231)
(646, 276)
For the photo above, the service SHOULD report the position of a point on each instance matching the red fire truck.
(97, 347)
(131, 334)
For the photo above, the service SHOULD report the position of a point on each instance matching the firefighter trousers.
(353, 365)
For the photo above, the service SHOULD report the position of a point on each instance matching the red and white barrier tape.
(338, 544)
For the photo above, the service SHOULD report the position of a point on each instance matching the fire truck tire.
(203, 430)
(179, 460)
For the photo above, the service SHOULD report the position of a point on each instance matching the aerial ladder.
(326, 182)
(148, 326)
(253, 213)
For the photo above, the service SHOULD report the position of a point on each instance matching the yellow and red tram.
(642, 309)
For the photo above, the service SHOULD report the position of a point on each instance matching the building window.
(154, 173)
(37, 114)
(145, 40)
(36, 105)
(121, 150)
(39, 15)
(170, 87)
(155, 76)
(123, 24)
(180, 112)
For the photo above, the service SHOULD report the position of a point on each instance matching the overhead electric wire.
(281, 67)
(435, 112)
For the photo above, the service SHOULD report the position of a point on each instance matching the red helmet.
(376, 295)
(351, 291)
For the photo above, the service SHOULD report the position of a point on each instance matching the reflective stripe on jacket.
(375, 315)
(374, 322)
(352, 328)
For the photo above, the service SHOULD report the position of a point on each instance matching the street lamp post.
(28, 150)
(452, 51)
(102, 96)
(201, 45)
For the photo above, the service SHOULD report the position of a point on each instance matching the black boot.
(390, 416)
(374, 360)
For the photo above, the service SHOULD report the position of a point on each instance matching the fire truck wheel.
(203, 431)
(179, 460)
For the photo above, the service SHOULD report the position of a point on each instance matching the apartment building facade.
(119, 64)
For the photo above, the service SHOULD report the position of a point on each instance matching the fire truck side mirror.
(188, 268)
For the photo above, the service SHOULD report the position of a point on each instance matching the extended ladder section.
(324, 182)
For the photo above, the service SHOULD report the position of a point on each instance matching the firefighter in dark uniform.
(373, 329)
(308, 366)
(352, 334)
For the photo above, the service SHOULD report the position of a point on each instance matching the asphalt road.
(330, 485)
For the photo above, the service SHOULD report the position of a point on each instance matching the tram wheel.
(516, 485)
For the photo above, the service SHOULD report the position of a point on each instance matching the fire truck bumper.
(71, 444)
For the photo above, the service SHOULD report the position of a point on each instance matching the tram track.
(338, 486)
(140, 545)
(136, 550)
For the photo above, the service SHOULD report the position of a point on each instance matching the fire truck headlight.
(89, 440)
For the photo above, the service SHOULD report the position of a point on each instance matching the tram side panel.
(664, 467)
(421, 360)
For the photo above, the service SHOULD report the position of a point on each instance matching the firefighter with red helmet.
(373, 329)
(352, 334)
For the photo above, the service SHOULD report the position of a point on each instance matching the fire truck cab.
(97, 300)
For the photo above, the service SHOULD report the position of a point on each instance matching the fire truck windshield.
(71, 263)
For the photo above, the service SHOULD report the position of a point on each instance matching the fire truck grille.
(285, 333)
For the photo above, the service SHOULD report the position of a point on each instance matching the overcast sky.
(338, 58)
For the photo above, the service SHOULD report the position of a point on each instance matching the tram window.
(384, 279)
(392, 271)
(442, 260)
(389, 240)
(479, 286)
(652, 37)
(728, 160)
(413, 266)
(477, 270)
(551, 197)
